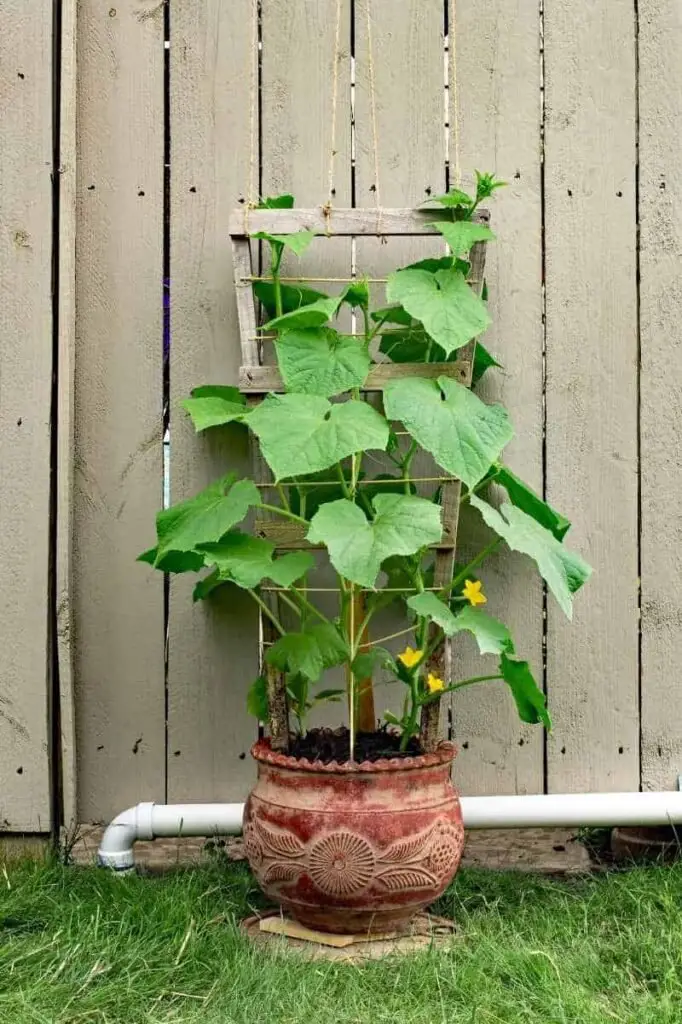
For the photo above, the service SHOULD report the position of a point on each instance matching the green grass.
(82, 945)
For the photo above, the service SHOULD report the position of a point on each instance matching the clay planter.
(353, 848)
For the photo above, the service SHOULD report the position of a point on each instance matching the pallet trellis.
(257, 379)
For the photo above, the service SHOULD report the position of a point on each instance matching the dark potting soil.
(328, 745)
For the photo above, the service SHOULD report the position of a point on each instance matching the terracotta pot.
(353, 848)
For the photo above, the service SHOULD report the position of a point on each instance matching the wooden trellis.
(256, 379)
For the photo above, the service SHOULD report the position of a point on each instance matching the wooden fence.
(121, 157)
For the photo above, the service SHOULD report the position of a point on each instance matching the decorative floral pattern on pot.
(344, 864)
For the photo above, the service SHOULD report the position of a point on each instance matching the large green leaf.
(173, 561)
(356, 293)
(392, 315)
(206, 517)
(462, 234)
(297, 241)
(213, 405)
(529, 698)
(450, 311)
(319, 361)
(292, 296)
(525, 498)
(357, 546)
(314, 315)
(302, 434)
(492, 636)
(483, 361)
(247, 561)
(282, 202)
(563, 571)
(310, 653)
(464, 435)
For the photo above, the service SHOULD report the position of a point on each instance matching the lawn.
(82, 945)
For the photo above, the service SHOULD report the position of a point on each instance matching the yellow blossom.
(434, 684)
(410, 657)
(472, 592)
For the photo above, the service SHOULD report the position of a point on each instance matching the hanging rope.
(453, 93)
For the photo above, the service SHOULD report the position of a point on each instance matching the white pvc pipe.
(570, 810)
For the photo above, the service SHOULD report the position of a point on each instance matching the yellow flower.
(472, 592)
(410, 657)
(434, 684)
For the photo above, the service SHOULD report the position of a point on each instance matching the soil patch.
(327, 745)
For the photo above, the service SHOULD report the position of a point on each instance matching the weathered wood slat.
(591, 361)
(212, 652)
(118, 605)
(499, 118)
(660, 195)
(257, 380)
(25, 387)
(336, 221)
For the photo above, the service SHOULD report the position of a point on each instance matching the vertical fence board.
(66, 313)
(212, 654)
(118, 605)
(660, 133)
(591, 339)
(497, 64)
(298, 70)
(25, 389)
(400, 49)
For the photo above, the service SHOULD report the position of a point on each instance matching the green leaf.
(332, 695)
(310, 652)
(302, 434)
(356, 293)
(433, 263)
(297, 242)
(486, 185)
(314, 315)
(283, 202)
(483, 361)
(317, 489)
(319, 361)
(367, 662)
(205, 587)
(392, 315)
(403, 524)
(454, 198)
(247, 561)
(450, 311)
(464, 435)
(492, 636)
(410, 345)
(257, 699)
(563, 571)
(206, 517)
(214, 405)
(428, 605)
(461, 235)
(525, 498)
(292, 296)
(529, 698)
(173, 561)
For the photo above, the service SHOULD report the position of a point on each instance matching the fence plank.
(118, 606)
(65, 421)
(496, 65)
(592, 664)
(212, 645)
(25, 388)
(660, 125)
(297, 104)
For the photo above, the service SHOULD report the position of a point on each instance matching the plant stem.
(283, 497)
(458, 686)
(283, 512)
(461, 576)
(275, 262)
(308, 605)
(344, 482)
(266, 611)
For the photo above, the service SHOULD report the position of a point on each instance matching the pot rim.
(262, 752)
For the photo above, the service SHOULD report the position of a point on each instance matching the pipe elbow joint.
(116, 848)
